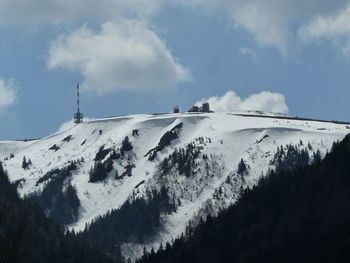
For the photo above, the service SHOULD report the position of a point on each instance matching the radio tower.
(78, 117)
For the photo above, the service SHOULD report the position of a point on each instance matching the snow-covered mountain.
(212, 143)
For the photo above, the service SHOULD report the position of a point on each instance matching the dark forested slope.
(26, 235)
(293, 216)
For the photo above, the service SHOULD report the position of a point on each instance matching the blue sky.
(136, 56)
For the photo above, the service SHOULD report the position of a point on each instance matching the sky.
(138, 56)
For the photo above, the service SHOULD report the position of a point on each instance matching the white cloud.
(263, 101)
(264, 22)
(63, 11)
(274, 23)
(126, 55)
(335, 28)
(7, 94)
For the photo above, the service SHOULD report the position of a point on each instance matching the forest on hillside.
(27, 235)
(299, 215)
(291, 215)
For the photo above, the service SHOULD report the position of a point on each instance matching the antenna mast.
(78, 117)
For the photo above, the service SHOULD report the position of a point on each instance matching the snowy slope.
(224, 137)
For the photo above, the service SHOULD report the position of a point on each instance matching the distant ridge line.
(235, 114)
(291, 118)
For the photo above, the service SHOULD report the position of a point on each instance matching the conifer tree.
(242, 168)
(126, 144)
(25, 164)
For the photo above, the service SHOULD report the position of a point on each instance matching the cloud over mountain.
(263, 101)
(126, 55)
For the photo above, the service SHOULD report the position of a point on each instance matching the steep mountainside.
(201, 161)
(295, 216)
